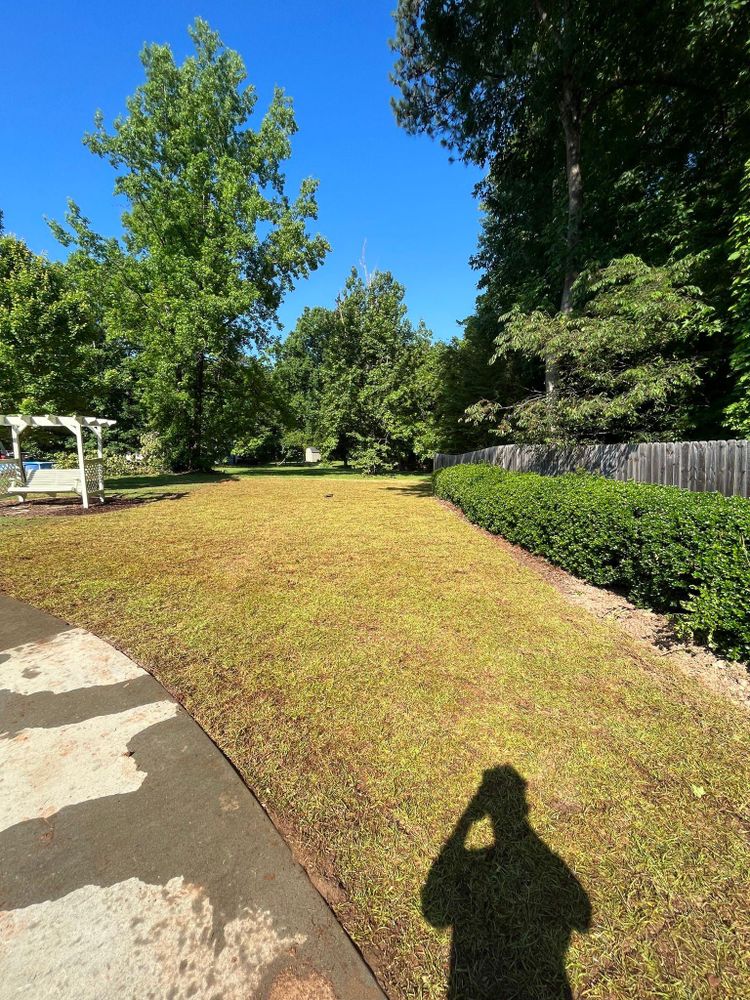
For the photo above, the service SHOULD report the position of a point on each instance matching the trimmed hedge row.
(682, 553)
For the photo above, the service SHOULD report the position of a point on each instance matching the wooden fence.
(703, 466)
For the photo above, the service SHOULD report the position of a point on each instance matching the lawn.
(396, 689)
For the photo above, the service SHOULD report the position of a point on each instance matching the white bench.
(51, 481)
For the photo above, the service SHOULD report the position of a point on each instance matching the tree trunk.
(196, 442)
(570, 116)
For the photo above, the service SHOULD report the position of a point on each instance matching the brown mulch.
(63, 507)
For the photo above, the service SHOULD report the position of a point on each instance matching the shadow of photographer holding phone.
(512, 905)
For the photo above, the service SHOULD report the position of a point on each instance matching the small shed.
(312, 455)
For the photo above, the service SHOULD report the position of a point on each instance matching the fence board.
(721, 466)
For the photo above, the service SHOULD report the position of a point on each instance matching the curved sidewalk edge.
(134, 861)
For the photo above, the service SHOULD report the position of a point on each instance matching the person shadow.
(512, 905)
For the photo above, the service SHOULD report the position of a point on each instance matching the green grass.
(315, 471)
(396, 689)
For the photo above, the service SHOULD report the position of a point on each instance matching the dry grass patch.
(387, 679)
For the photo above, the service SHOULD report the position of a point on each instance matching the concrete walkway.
(133, 860)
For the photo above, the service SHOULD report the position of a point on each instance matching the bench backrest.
(48, 480)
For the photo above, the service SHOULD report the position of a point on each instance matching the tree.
(361, 379)
(491, 79)
(301, 373)
(211, 240)
(738, 412)
(49, 343)
(465, 375)
(260, 414)
(643, 107)
(630, 354)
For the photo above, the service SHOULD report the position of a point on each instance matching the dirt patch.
(74, 508)
(724, 677)
(309, 985)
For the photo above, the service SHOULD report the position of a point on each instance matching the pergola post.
(16, 435)
(100, 456)
(81, 463)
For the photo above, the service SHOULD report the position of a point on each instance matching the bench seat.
(48, 481)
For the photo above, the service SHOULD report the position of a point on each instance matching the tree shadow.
(189, 818)
(315, 471)
(512, 906)
(177, 479)
(66, 507)
(309, 471)
(48, 709)
(20, 624)
(421, 488)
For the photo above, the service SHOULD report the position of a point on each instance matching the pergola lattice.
(90, 471)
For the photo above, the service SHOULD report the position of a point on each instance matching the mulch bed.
(74, 508)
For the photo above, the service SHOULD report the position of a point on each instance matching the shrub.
(148, 460)
(686, 554)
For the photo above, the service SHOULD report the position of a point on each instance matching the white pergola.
(90, 471)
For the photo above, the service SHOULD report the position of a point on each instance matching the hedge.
(681, 553)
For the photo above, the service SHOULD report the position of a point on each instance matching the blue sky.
(397, 195)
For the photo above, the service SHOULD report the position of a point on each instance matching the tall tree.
(302, 370)
(466, 376)
(738, 412)
(211, 240)
(631, 353)
(362, 379)
(259, 413)
(50, 344)
(643, 107)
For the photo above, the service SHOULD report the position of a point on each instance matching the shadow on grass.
(242, 471)
(64, 507)
(421, 488)
(117, 483)
(512, 905)
(292, 470)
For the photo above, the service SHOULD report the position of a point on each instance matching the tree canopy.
(211, 239)
(49, 360)
(630, 354)
(361, 378)
(739, 408)
(605, 130)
